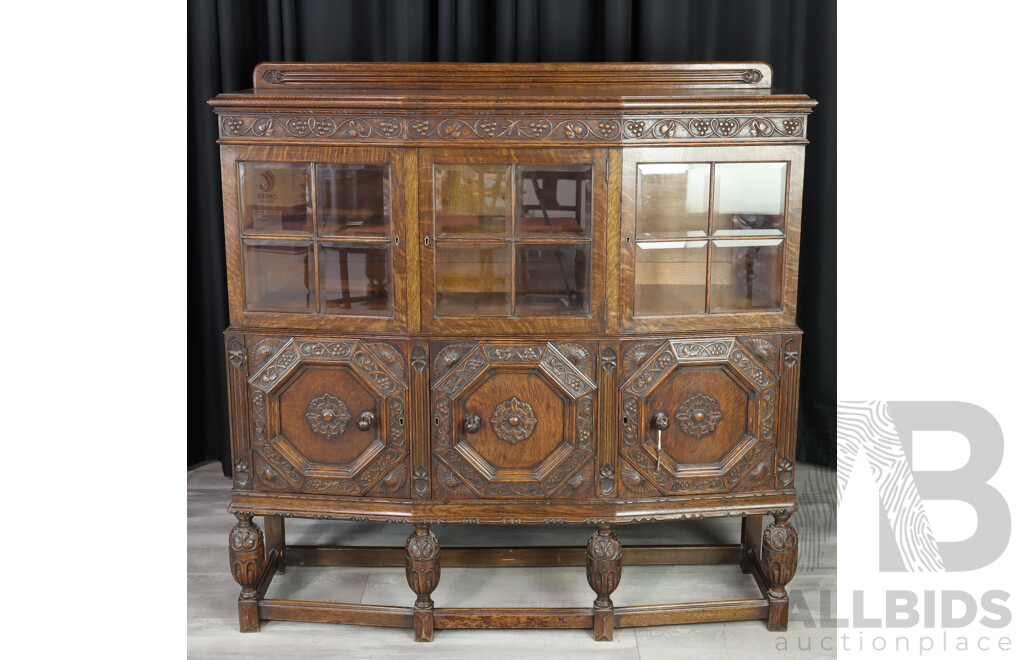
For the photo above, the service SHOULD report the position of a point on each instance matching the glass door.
(320, 237)
(710, 236)
(511, 236)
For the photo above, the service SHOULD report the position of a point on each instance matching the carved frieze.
(496, 128)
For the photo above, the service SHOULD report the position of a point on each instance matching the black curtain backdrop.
(226, 39)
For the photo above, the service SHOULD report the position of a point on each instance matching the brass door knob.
(366, 420)
(660, 421)
(472, 423)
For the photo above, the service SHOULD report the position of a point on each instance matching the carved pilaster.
(245, 549)
(420, 441)
(604, 570)
(607, 445)
(788, 411)
(237, 370)
(778, 564)
(422, 571)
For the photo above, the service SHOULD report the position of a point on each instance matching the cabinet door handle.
(366, 420)
(472, 423)
(659, 421)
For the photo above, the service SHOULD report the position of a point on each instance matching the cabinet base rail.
(603, 559)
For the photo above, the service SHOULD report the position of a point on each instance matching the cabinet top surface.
(607, 86)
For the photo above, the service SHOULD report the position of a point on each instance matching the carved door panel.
(513, 420)
(698, 417)
(329, 417)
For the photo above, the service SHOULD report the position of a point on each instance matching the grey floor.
(212, 593)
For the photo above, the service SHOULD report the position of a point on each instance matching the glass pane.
(670, 278)
(355, 279)
(745, 275)
(554, 199)
(275, 198)
(471, 200)
(352, 200)
(277, 276)
(749, 196)
(473, 279)
(552, 279)
(672, 200)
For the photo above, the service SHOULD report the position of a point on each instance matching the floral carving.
(699, 416)
(513, 420)
(785, 471)
(583, 128)
(273, 76)
(328, 415)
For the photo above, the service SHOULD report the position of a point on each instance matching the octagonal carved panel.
(312, 459)
(677, 368)
(534, 398)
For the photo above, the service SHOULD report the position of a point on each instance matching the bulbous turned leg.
(750, 535)
(604, 570)
(778, 564)
(245, 549)
(423, 570)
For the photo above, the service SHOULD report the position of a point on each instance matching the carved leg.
(604, 569)
(245, 549)
(778, 563)
(751, 539)
(274, 535)
(423, 570)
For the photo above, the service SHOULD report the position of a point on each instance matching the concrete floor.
(212, 593)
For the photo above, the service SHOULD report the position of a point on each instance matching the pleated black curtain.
(228, 38)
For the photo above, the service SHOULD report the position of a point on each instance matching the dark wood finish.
(540, 617)
(750, 533)
(778, 563)
(245, 546)
(568, 408)
(423, 570)
(363, 615)
(604, 570)
(274, 538)
(311, 555)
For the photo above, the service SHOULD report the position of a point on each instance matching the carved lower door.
(698, 417)
(513, 420)
(329, 417)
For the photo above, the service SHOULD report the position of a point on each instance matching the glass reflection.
(354, 279)
(670, 278)
(552, 279)
(352, 200)
(745, 275)
(275, 198)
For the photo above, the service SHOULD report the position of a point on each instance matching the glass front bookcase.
(320, 237)
(708, 234)
(513, 236)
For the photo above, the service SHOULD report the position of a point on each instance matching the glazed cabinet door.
(317, 237)
(710, 237)
(699, 417)
(329, 416)
(512, 239)
(513, 420)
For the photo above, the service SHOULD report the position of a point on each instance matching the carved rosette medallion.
(513, 420)
(328, 416)
(699, 416)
